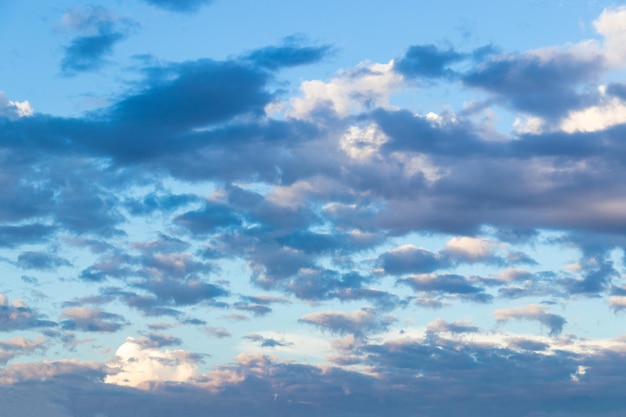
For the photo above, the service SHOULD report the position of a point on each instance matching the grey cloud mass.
(382, 233)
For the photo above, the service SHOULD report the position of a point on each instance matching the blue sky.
(323, 208)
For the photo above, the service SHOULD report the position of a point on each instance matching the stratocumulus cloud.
(312, 209)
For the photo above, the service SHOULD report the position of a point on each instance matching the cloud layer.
(216, 236)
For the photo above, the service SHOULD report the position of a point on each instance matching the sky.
(331, 208)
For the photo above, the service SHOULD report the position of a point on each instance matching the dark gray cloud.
(431, 377)
(409, 259)
(12, 236)
(428, 61)
(617, 90)
(41, 261)
(210, 219)
(446, 284)
(541, 85)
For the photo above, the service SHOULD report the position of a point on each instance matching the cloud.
(136, 364)
(292, 53)
(610, 24)
(427, 61)
(17, 346)
(91, 320)
(367, 86)
(13, 110)
(219, 332)
(410, 259)
(540, 82)
(533, 312)
(447, 284)
(358, 323)
(23, 372)
(257, 309)
(100, 32)
(12, 236)
(266, 341)
(18, 316)
(179, 6)
(442, 326)
(617, 302)
(470, 249)
(41, 261)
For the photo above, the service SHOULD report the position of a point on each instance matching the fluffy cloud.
(14, 109)
(532, 312)
(136, 364)
(367, 86)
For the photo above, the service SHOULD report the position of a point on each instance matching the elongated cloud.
(533, 312)
(359, 323)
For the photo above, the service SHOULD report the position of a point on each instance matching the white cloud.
(528, 125)
(609, 113)
(364, 143)
(612, 26)
(14, 109)
(470, 248)
(365, 86)
(135, 365)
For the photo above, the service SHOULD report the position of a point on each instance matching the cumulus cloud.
(470, 249)
(13, 110)
(136, 364)
(186, 194)
(533, 312)
(610, 24)
(364, 87)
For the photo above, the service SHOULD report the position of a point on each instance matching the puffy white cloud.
(612, 25)
(363, 143)
(470, 248)
(135, 364)
(609, 112)
(14, 109)
(365, 86)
